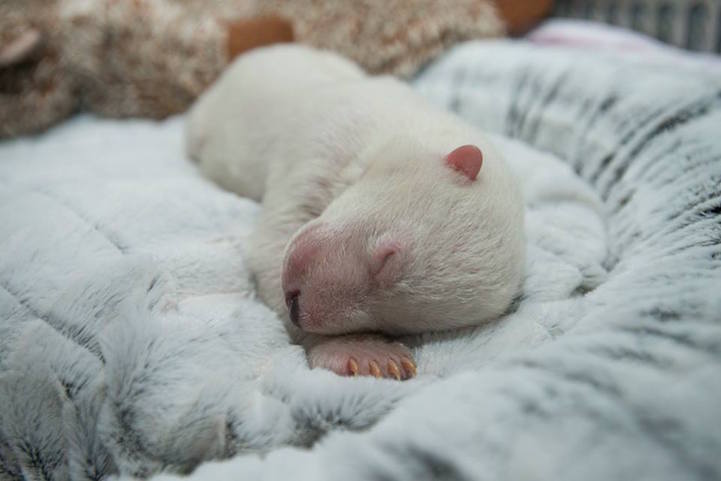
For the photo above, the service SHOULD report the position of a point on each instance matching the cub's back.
(234, 123)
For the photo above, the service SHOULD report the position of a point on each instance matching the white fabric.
(109, 217)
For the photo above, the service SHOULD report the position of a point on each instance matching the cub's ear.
(467, 159)
(386, 262)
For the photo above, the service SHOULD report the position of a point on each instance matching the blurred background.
(692, 25)
(152, 58)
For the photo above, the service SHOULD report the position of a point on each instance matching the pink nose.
(291, 300)
(301, 254)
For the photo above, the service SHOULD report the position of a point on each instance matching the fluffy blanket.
(130, 341)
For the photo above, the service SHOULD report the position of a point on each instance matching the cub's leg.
(248, 115)
(225, 142)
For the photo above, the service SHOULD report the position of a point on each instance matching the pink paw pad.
(363, 356)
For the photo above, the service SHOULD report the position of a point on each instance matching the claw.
(393, 370)
(353, 367)
(374, 368)
(409, 366)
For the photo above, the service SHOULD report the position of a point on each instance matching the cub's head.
(426, 239)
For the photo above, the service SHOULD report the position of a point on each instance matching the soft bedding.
(131, 342)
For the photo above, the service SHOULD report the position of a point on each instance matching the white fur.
(359, 161)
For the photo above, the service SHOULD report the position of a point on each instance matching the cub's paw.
(363, 356)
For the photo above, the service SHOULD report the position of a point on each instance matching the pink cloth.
(607, 38)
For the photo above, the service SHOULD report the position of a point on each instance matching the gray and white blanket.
(131, 344)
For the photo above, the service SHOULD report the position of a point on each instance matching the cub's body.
(377, 232)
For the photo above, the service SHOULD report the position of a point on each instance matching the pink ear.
(385, 262)
(466, 159)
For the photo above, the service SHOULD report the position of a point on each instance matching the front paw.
(363, 356)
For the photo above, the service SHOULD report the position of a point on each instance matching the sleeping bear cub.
(382, 215)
